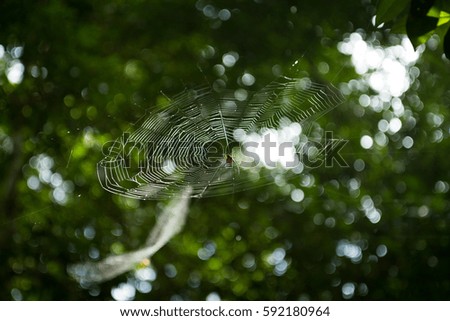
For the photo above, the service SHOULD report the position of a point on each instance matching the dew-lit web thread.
(169, 222)
(195, 119)
(296, 99)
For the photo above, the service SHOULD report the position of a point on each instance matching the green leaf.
(419, 21)
(399, 26)
(388, 10)
(444, 17)
(417, 26)
(434, 12)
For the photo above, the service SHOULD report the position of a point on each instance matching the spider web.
(189, 142)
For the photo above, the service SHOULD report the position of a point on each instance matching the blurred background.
(76, 74)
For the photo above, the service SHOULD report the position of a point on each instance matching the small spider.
(229, 160)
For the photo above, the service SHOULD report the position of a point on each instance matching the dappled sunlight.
(388, 71)
(278, 260)
(273, 147)
(349, 250)
(61, 190)
(11, 65)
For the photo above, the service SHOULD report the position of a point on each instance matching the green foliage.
(419, 19)
(388, 10)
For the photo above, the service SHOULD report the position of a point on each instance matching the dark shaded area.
(93, 67)
(419, 19)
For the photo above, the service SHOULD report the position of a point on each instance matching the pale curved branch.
(169, 223)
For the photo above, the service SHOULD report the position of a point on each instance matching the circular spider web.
(192, 142)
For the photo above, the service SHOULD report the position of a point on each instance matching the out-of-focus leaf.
(419, 22)
(399, 26)
(389, 10)
(434, 12)
(444, 17)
